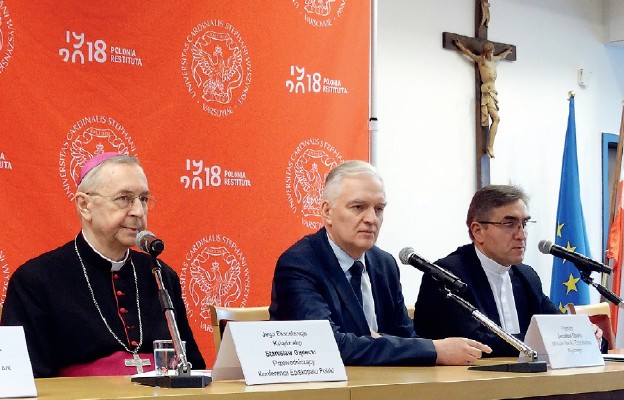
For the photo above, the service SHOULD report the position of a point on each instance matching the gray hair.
(91, 179)
(333, 181)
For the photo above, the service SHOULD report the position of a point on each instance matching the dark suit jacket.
(309, 284)
(437, 317)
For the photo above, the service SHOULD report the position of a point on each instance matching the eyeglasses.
(123, 201)
(512, 225)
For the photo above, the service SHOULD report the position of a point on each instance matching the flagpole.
(373, 126)
(615, 184)
(616, 172)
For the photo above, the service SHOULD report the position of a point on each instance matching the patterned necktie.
(356, 279)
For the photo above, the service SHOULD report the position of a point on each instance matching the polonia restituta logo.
(87, 137)
(216, 67)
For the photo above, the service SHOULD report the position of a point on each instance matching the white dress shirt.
(368, 303)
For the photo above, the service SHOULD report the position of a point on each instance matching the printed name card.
(564, 341)
(279, 352)
(16, 376)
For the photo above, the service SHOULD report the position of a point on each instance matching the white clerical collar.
(490, 265)
(345, 260)
(115, 265)
(502, 289)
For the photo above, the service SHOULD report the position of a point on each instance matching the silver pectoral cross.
(137, 362)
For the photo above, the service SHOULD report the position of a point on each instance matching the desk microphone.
(149, 243)
(582, 263)
(409, 257)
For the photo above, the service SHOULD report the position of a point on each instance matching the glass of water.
(165, 359)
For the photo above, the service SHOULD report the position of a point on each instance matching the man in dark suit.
(339, 275)
(502, 288)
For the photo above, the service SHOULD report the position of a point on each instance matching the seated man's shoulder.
(307, 245)
(526, 270)
(458, 257)
(44, 264)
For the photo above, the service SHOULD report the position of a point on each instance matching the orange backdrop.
(236, 109)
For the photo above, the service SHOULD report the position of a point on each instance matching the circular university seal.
(4, 276)
(213, 272)
(305, 179)
(216, 67)
(7, 37)
(87, 137)
(320, 13)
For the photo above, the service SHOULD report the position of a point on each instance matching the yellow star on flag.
(562, 308)
(568, 247)
(559, 227)
(570, 284)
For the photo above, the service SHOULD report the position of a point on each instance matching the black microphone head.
(139, 241)
(405, 254)
(544, 246)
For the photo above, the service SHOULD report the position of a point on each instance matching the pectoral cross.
(475, 45)
(137, 362)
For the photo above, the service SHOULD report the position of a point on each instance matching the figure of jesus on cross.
(486, 62)
(485, 54)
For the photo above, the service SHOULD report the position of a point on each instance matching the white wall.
(425, 145)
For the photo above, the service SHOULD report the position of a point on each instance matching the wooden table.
(449, 383)
(387, 383)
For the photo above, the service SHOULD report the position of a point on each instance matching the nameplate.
(16, 376)
(564, 341)
(279, 352)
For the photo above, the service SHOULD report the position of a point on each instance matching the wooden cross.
(137, 362)
(475, 45)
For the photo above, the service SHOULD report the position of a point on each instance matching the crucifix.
(485, 54)
(137, 362)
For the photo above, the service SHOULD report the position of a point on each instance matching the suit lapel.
(523, 296)
(339, 281)
(480, 284)
(373, 269)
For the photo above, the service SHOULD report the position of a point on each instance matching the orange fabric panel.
(237, 110)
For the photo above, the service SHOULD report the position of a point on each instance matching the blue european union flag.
(566, 285)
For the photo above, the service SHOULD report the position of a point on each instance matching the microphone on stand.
(585, 266)
(149, 243)
(409, 257)
(582, 263)
(451, 283)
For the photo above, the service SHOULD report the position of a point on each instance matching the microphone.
(149, 243)
(409, 257)
(582, 263)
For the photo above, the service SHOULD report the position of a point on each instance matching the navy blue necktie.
(356, 279)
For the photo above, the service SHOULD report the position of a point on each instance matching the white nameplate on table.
(279, 352)
(564, 341)
(16, 376)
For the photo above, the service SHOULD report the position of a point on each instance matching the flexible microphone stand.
(529, 354)
(184, 378)
(605, 292)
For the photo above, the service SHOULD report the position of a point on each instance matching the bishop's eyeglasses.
(123, 201)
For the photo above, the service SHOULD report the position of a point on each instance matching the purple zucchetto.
(94, 162)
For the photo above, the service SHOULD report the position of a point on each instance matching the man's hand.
(459, 351)
(598, 334)
(375, 335)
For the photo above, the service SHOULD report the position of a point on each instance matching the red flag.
(615, 252)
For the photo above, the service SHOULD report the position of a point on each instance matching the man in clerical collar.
(91, 306)
(499, 285)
